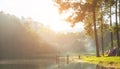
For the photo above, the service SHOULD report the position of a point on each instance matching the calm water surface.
(45, 64)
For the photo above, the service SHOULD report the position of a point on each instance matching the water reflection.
(19, 66)
(102, 67)
(27, 64)
(51, 65)
(78, 66)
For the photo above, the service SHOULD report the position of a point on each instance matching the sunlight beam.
(42, 11)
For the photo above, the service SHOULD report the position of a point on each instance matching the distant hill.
(18, 42)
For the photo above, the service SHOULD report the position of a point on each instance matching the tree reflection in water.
(102, 67)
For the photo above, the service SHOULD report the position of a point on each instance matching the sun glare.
(39, 10)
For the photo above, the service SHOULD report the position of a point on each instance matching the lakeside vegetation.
(103, 61)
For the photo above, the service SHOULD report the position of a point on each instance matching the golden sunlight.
(39, 10)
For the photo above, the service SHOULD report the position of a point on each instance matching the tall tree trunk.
(96, 37)
(111, 34)
(119, 12)
(117, 31)
(102, 40)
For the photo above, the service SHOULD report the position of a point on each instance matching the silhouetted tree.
(117, 30)
(81, 13)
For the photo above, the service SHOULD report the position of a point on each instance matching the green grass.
(103, 61)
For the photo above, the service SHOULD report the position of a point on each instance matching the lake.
(45, 64)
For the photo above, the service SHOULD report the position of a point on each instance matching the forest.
(98, 16)
(23, 40)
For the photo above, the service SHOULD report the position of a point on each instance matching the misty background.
(26, 38)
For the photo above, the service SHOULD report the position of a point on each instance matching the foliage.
(104, 61)
(82, 12)
(17, 41)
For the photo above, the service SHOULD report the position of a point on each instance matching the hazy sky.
(39, 10)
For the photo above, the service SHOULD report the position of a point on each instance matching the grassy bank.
(103, 61)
